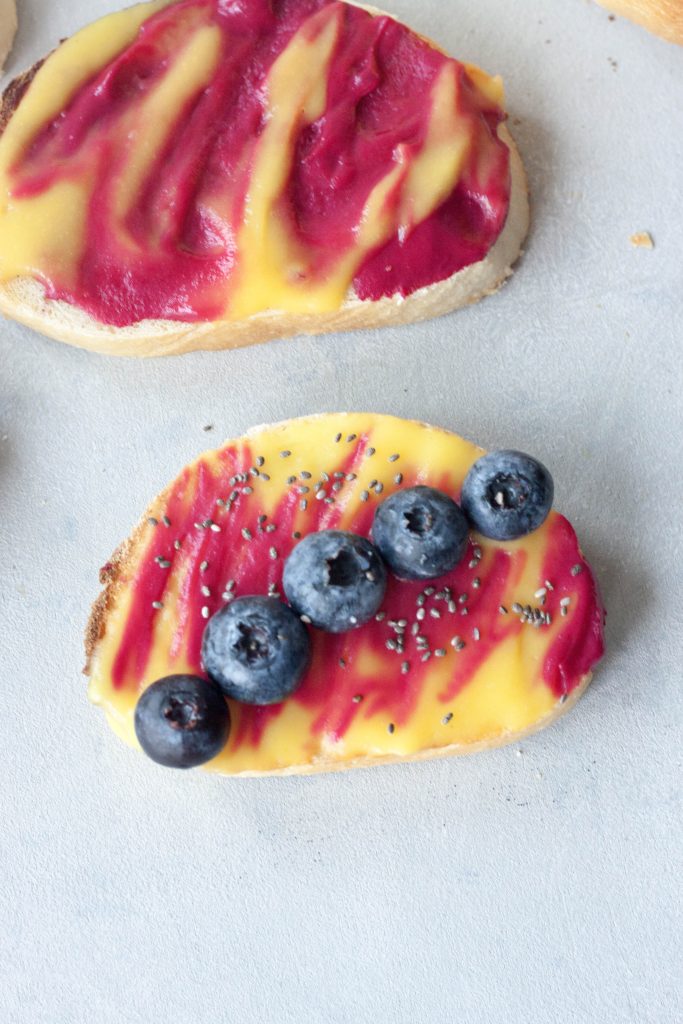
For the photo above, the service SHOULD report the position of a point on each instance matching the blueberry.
(182, 721)
(507, 494)
(420, 532)
(337, 579)
(256, 649)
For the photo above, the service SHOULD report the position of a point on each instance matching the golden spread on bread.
(197, 161)
(494, 648)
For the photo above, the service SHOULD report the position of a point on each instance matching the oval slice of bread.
(499, 647)
(23, 298)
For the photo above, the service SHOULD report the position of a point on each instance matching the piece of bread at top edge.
(663, 17)
(8, 26)
(173, 569)
(23, 298)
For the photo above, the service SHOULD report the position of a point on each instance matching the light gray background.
(532, 884)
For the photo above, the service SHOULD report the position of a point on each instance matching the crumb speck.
(642, 240)
(209, 426)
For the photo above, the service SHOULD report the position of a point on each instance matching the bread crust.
(116, 572)
(663, 17)
(23, 298)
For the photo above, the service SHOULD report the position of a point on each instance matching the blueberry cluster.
(256, 650)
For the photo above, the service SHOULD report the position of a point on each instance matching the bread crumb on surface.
(642, 240)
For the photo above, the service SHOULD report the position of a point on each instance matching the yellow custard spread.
(225, 527)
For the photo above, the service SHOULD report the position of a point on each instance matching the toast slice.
(416, 209)
(497, 648)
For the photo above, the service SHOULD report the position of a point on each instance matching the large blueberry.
(182, 721)
(336, 579)
(256, 649)
(420, 532)
(507, 494)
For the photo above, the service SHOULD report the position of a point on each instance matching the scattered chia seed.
(273, 553)
(336, 486)
(440, 652)
(246, 533)
(391, 727)
(291, 480)
(565, 602)
(369, 453)
(364, 495)
(260, 461)
(476, 582)
(320, 495)
(457, 642)
(394, 458)
(303, 489)
(576, 569)
(205, 612)
(415, 628)
(379, 487)
(405, 668)
(452, 607)
(247, 490)
(351, 437)
(303, 505)
(271, 528)
(358, 698)
(390, 644)
(206, 591)
(264, 476)
(296, 535)
(426, 656)
(429, 591)
(306, 619)
(157, 605)
(166, 521)
(337, 438)
(176, 545)
(380, 616)
(446, 718)
(203, 566)
(305, 475)
(502, 609)
(342, 663)
(420, 614)
(215, 527)
(152, 521)
(517, 608)
(398, 479)
(435, 613)
(475, 633)
(351, 476)
(285, 453)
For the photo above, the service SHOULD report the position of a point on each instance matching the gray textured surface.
(522, 886)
